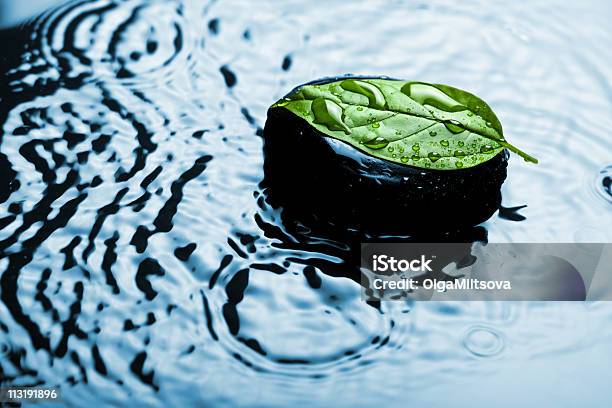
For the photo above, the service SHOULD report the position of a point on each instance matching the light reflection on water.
(139, 257)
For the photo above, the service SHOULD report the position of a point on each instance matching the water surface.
(140, 259)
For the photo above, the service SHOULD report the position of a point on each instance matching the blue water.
(141, 263)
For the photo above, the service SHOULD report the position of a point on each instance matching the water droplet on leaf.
(377, 143)
(427, 94)
(433, 156)
(454, 126)
(329, 114)
(375, 96)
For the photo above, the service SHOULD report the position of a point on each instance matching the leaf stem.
(525, 156)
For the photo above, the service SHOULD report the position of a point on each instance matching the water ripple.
(483, 341)
(131, 42)
(139, 255)
(603, 183)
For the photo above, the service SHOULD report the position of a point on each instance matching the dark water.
(140, 260)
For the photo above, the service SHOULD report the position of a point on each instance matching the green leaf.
(412, 123)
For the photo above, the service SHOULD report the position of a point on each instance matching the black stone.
(322, 180)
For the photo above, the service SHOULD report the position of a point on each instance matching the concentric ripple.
(304, 333)
(127, 41)
(603, 183)
(483, 341)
